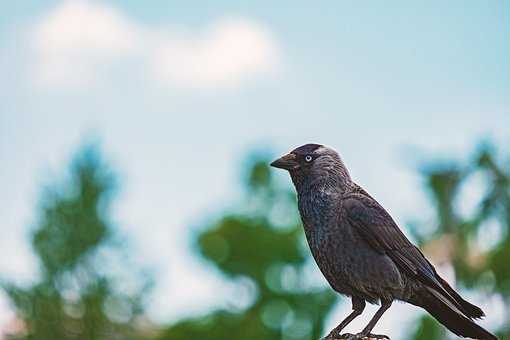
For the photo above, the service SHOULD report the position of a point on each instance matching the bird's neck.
(317, 201)
(323, 186)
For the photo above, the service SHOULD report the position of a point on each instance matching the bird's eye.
(308, 158)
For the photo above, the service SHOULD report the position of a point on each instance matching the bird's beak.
(287, 162)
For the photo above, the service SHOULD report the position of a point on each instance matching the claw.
(372, 336)
(359, 336)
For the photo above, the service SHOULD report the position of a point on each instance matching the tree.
(248, 246)
(75, 297)
(456, 238)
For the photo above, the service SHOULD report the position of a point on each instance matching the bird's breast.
(335, 254)
(349, 264)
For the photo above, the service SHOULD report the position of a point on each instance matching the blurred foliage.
(88, 289)
(267, 261)
(477, 242)
(74, 296)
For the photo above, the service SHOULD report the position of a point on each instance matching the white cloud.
(229, 52)
(75, 42)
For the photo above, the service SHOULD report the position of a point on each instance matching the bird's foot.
(371, 336)
(360, 336)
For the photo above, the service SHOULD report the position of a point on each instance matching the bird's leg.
(385, 304)
(358, 305)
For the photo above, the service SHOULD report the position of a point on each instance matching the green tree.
(268, 259)
(77, 296)
(456, 238)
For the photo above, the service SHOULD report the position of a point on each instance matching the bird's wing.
(378, 229)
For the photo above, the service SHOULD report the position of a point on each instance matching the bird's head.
(312, 162)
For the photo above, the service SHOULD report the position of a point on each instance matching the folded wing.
(379, 230)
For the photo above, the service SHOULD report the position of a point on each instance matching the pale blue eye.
(308, 158)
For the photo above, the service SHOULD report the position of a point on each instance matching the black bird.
(362, 252)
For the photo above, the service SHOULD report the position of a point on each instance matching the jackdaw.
(362, 252)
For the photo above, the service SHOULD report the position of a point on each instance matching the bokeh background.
(136, 201)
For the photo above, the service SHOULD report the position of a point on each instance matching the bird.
(362, 252)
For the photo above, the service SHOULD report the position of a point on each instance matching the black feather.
(455, 322)
(306, 149)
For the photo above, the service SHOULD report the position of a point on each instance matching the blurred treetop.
(75, 297)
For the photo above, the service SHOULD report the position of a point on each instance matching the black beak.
(287, 162)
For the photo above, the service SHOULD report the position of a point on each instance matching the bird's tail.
(450, 316)
(468, 309)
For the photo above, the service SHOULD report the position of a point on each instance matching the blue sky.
(178, 92)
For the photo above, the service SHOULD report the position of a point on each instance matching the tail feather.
(451, 317)
(469, 309)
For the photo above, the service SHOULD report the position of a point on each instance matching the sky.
(177, 93)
